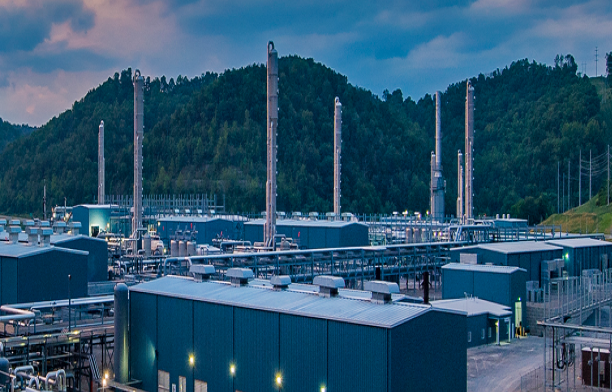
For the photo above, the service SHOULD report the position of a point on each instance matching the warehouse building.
(94, 218)
(313, 234)
(30, 273)
(204, 228)
(97, 249)
(221, 336)
(487, 322)
(584, 253)
(523, 254)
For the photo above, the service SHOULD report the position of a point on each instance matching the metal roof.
(518, 247)
(497, 269)
(293, 302)
(23, 250)
(473, 307)
(306, 223)
(579, 243)
(59, 238)
(200, 219)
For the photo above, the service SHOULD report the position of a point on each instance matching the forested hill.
(10, 132)
(208, 134)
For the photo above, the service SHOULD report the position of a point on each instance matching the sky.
(52, 52)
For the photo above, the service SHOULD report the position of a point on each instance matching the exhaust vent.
(75, 227)
(328, 285)
(280, 282)
(32, 234)
(14, 231)
(45, 236)
(381, 290)
(239, 276)
(202, 272)
(2, 224)
(59, 227)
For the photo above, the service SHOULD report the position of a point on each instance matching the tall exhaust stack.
(337, 154)
(101, 163)
(469, 151)
(437, 180)
(272, 125)
(460, 186)
(138, 138)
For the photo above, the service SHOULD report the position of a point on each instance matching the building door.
(518, 314)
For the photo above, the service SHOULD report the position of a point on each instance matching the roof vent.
(14, 233)
(239, 276)
(32, 234)
(15, 222)
(202, 272)
(381, 290)
(45, 236)
(328, 285)
(2, 224)
(75, 227)
(45, 224)
(59, 227)
(280, 282)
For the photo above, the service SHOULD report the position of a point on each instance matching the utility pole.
(563, 190)
(569, 189)
(558, 164)
(608, 174)
(596, 61)
(580, 178)
(590, 172)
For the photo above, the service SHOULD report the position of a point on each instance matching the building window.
(482, 335)
(163, 381)
(182, 384)
(489, 332)
(469, 336)
(200, 386)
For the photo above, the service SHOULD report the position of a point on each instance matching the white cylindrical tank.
(174, 252)
(409, 238)
(191, 248)
(182, 245)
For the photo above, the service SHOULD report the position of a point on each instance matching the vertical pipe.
(101, 163)
(437, 179)
(272, 125)
(469, 150)
(138, 138)
(337, 154)
(121, 363)
(459, 185)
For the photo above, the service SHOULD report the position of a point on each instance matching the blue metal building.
(584, 253)
(94, 218)
(487, 322)
(207, 228)
(313, 234)
(30, 273)
(97, 249)
(499, 284)
(217, 336)
(523, 254)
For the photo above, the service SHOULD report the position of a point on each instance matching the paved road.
(499, 368)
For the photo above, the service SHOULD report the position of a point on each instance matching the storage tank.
(174, 252)
(182, 251)
(191, 248)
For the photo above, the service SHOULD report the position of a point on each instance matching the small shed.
(94, 218)
(313, 234)
(487, 322)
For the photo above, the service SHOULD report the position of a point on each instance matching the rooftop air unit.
(328, 285)
(381, 291)
(239, 276)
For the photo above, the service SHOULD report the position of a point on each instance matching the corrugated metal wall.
(214, 333)
(143, 339)
(419, 349)
(256, 349)
(175, 339)
(357, 358)
(97, 264)
(456, 283)
(9, 280)
(492, 287)
(303, 341)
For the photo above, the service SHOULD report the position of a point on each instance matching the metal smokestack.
(272, 125)
(460, 185)
(337, 154)
(101, 163)
(469, 151)
(437, 179)
(138, 138)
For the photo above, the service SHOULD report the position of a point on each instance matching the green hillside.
(207, 134)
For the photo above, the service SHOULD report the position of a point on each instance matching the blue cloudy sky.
(53, 51)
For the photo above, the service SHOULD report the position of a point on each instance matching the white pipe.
(34, 380)
(18, 314)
